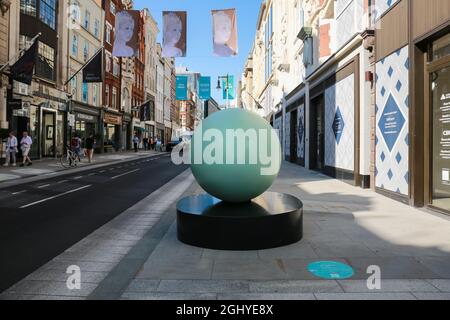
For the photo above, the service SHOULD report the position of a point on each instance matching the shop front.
(112, 131)
(86, 123)
(126, 132)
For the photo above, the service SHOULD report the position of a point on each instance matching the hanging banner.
(174, 34)
(93, 71)
(225, 33)
(182, 88)
(228, 94)
(22, 70)
(204, 88)
(126, 42)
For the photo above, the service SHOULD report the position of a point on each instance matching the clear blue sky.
(199, 39)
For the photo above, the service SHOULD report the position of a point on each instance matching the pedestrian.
(76, 146)
(25, 146)
(136, 141)
(11, 150)
(145, 141)
(152, 143)
(158, 145)
(89, 145)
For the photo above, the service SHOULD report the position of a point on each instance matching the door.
(293, 136)
(440, 124)
(48, 134)
(320, 134)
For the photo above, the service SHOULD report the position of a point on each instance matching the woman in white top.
(11, 150)
(25, 146)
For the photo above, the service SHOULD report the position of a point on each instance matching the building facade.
(412, 123)
(111, 115)
(41, 108)
(85, 39)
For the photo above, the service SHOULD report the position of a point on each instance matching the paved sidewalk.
(341, 223)
(51, 167)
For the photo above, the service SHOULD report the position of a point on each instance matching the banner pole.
(92, 58)
(20, 52)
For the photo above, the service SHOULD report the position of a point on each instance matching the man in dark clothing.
(89, 145)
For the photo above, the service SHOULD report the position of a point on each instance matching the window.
(96, 28)
(47, 12)
(87, 20)
(112, 8)
(85, 92)
(45, 66)
(268, 45)
(116, 67)
(86, 51)
(108, 62)
(73, 86)
(95, 95)
(107, 96)
(108, 33)
(28, 7)
(74, 45)
(114, 98)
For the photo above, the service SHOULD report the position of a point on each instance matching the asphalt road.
(41, 220)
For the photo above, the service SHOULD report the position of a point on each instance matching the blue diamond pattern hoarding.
(338, 125)
(391, 123)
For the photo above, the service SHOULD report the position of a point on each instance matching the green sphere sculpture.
(235, 155)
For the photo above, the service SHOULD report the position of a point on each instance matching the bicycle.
(70, 159)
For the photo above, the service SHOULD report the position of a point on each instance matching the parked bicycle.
(70, 159)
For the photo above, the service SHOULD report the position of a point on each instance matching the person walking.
(11, 150)
(158, 145)
(145, 141)
(89, 145)
(136, 141)
(76, 146)
(25, 146)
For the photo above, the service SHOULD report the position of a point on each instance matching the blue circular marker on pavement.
(331, 270)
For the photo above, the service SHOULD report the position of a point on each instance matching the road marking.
(54, 197)
(123, 174)
(62, 181)
(19, 192)
(43, 186)
(91, 174)
(102, 171)
(78, 178)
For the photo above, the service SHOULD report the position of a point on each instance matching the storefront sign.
(15, 104)
(204, 88)
(338, 125)
(113, 119)
(444, 125)
(85, 117)
(391, 123)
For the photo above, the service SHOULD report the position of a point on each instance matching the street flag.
(228, 94)
(144, 110)
(225, 32)
(174, 34)
(204, 88)
(182, 88)
(22, 70)
(93, 71)
(126, 42)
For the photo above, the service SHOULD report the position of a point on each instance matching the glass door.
(440, 122)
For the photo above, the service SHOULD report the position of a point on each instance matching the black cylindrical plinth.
(269, 221)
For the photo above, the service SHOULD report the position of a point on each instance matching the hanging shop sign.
(113, 119)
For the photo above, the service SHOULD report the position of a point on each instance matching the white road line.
(91, 174)
(102, 171)
(43, 186)
(62, 181)
(54, 197)
(123, 174)
(19, 192)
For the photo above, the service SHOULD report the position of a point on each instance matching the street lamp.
(227, 88)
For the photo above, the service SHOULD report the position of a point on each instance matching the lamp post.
(227, 88)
